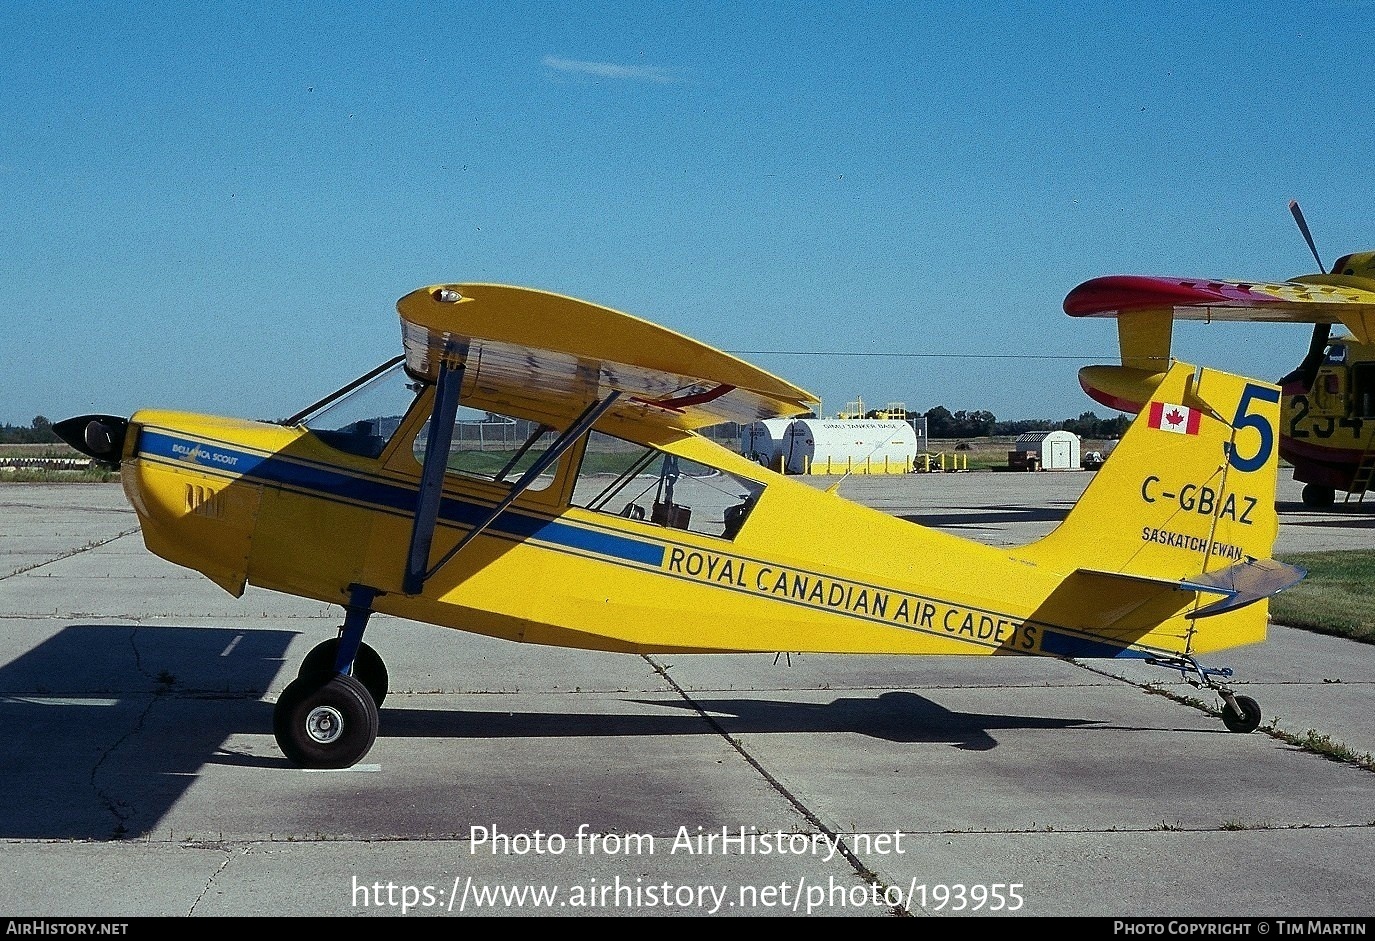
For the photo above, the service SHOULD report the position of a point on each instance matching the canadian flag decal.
(1177, 418)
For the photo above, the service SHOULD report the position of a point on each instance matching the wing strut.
(441, 435)
(415, 579)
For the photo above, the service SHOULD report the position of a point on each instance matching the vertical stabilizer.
(1189, 492)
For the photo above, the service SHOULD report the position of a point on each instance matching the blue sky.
(214, 207)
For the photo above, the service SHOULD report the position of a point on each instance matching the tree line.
(943, 423)
(38, 431)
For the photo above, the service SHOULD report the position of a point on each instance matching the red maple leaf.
(1174, 418)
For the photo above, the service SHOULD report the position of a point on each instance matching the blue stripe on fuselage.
(1066, 645)
(325, 482)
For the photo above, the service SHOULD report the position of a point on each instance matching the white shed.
(1052, 450)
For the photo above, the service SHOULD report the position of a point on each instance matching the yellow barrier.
(943, 462)
(948, 462)
(850, 466)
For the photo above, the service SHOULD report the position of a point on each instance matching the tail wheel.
(325, 722)
(368, 667)
(1248, 720)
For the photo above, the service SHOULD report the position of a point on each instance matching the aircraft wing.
(1310, 299)
(558, 354)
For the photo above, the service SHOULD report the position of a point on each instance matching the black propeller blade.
(1322, 332)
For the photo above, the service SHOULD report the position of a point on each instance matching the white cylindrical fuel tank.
(849, 446)
(762, 441)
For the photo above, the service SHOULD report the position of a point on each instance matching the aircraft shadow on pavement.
(1348, 516)
(897, 716)
(106, 726)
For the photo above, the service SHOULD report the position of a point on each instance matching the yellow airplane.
(531, 467)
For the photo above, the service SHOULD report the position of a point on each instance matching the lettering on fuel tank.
(824, 593)
(201, 455)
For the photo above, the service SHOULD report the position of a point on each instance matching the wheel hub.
(324, 724)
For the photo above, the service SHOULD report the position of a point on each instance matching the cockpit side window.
(662, 489)
(494, 447)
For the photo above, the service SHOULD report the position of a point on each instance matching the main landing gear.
(1239, 713)
(328, 716)
(1318, 496)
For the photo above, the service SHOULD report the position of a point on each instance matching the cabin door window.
(661, 489)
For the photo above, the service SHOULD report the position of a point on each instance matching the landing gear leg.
(327, 717)
(1239, 713)
(368, 667)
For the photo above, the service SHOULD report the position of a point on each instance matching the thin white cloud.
(641, 73)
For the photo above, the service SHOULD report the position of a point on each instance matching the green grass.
(47, 475)
(1337, 597)
(1326, 746)
(35, 475)
(38, 450)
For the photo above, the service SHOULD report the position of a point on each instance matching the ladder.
(1365, 469)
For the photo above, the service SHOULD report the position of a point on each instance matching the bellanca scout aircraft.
(1327, 426)
(531, 467)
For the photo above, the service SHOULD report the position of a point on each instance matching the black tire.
(368, 667)
(1248, 721)
(329, 724)
(1318, 496)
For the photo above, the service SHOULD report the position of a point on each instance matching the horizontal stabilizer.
(1243, 583)
(1239, 585)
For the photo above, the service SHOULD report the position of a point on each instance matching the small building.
(1045, 450)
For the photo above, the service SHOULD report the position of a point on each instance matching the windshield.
(362, 416)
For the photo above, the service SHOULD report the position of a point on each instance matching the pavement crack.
(214, 877)
(838, 841)
(119, 809)
(94, 544)
(1312, 741)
